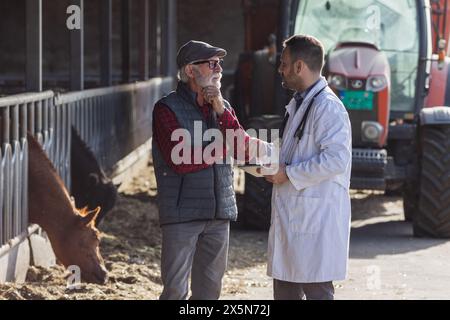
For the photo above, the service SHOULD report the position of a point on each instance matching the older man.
(196, 198)
(309, 234)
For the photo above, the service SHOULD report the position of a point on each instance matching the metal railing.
(18, 114)
(112, 121)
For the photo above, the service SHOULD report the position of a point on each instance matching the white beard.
(212, 80)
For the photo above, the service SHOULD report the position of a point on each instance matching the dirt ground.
(386, 262)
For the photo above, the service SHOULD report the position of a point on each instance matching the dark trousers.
(284, 290)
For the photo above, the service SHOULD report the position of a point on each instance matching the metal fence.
(18, 114)
(116, 120)
(113, 122)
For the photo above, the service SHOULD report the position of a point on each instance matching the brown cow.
(72, 232)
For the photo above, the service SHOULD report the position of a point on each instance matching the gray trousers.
(199, 248)
(283, 290)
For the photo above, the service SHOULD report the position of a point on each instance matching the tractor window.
(390, 25)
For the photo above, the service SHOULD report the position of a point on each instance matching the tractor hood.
(367, 106)
(358, 60)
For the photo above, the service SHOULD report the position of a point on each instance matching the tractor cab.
(361, 28)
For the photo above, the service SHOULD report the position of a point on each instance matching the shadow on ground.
(387, 238)
(368, 204)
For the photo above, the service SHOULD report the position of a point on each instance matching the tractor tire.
(265, 121)
(257, 203)
(410, 202)
(262, 84)
(433, 216)
(258, 192)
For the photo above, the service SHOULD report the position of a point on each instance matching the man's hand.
(278, 178)
(212, 95)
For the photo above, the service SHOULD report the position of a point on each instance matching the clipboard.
(251, 169)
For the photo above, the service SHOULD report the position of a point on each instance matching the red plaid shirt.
(165, 122)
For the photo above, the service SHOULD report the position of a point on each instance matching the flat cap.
(197, 50)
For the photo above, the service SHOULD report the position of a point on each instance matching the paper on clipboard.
(267, 163)
(252, 169)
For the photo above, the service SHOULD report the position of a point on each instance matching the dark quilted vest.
(203, 195)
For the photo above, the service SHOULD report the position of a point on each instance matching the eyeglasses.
(212, 64)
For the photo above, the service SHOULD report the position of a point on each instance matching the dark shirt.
(300, 96)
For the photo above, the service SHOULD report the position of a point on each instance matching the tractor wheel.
(410, 202)
(433, 215)
(258, 192)
(262, 84)
(265, 121)
(257, 205)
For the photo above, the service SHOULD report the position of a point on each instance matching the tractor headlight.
(376, 83)
(337, 81)
(371, 131)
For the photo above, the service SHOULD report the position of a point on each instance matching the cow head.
(90, 186)
(101, 192)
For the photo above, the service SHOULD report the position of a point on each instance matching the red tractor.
(386, 61)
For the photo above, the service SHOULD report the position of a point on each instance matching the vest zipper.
(180, 188)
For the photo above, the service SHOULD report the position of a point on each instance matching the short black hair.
(306, 48)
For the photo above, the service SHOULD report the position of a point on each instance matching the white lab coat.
(310, 224)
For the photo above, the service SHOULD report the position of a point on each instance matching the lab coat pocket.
(305, 214)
